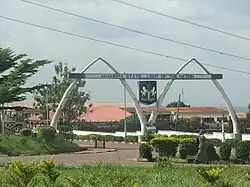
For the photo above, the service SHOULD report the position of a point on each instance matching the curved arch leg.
(163, 93)
(229, 105)
(67, 93)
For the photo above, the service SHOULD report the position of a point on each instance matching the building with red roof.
(114, 112)
(103, 114)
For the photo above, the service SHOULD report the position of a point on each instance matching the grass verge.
(34, 146)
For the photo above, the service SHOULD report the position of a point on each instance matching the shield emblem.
(147, 92)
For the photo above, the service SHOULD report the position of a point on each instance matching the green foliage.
(148, 137)
(66, 130)
(233, 142)
(26, 132)
(175, 104)
(225, 150)
(145, 151)
(165, 146)
(107, 138)
(34, 146)
(15, 70)
(215, 141)
(20, 174)
(211, 176)
(47, 168)
(46, 173)
(242, 150)
(46, 133)
(164, 162)
(184, 136)
(51, 95)
(187, 149)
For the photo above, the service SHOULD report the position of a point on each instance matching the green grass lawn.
(110, 175)
(33, 145)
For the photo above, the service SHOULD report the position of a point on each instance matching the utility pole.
(47, 103)
(125, 112)
(178, 111)
(223, 129)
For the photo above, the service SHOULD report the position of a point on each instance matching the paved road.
(125, 154)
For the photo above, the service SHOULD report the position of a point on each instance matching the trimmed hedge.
(165, 146)
(46, 133)
(216, 142)
(187, 149)
(148, 137)
(145, 151)
(225, 151)
(107, 138)
(183, 136)
(233, 142)
(242, 150)
(26, 132)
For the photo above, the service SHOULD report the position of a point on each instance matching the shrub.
(46, 133)
(119, 138)
(165, 146)
(109, 138)
(132, 138)
(95, 137)
(148, 137)
(242, 150)
(25, 132)
(215, 141)
(68, 135)
(211, 153)
(187, 149)
(225, 150)
(183, 136)
(186, 140)
(83, 137)
(145, 151)
(232, 142)
(164, 162)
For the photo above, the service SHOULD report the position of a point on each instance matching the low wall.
(217, 135)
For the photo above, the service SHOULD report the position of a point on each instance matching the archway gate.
(144, 86)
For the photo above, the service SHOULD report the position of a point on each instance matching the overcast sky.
(231, 16)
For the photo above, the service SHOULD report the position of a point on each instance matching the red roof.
(188, 109)
(103, 114)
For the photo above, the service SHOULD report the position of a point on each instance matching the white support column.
(230, 108)
(163, 93)
(67, 93)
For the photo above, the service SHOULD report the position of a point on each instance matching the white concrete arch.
(67, 93)
(229, 105)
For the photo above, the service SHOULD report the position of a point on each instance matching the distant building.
(114, 112)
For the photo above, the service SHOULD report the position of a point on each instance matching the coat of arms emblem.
(147, 92)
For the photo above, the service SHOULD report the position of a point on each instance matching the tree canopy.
(15, 71)
(51, 95)
(175, 104)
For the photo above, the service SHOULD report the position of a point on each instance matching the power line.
(117, 45)
(183, 20)
(137, 31)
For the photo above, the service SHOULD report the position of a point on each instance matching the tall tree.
(15, 71)
(49, 97)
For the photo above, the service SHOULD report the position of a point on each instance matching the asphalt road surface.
(125, 154)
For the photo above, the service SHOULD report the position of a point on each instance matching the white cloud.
(228, 15)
